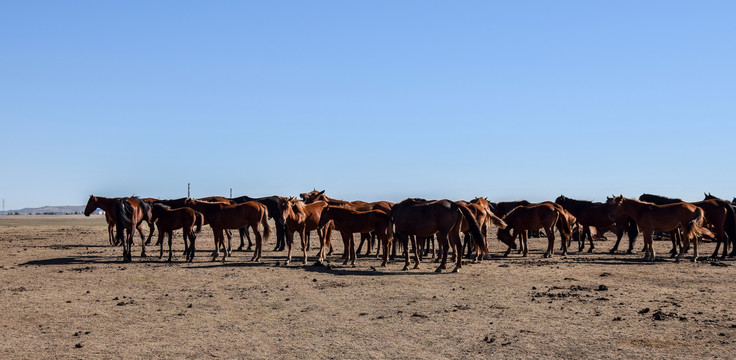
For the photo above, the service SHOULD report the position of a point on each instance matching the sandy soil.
(65, 294)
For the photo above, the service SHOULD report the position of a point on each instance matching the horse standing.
(129, 213)
(167, 220)
(348, 221)
(423, 218)
(108, 206)
(670, 217)
(222, 216)
(302, 218)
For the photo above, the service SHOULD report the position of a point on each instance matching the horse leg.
(455, 238)
(550, 241)
(143, 241)
(362, 240)
(523, 237)
(442, 239)
(695, 248)
(649, 253)
(405, 240)
(353, 254)
(674, 235)
(160, 243)
(171, 233)
(303, 236)
(259, 244)
(289, 243)
(216, 253)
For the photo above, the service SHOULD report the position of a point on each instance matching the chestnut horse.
(670, 217)
(272, 203)
(222, 216)
(108, 206)
(481, 209)
(521, 219)
(302, 218)
(349, 221)
(423, 218)
(129, 213)
(167, 220)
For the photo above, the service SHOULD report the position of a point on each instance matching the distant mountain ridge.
(47, 210)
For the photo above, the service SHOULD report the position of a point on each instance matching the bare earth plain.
(64, 293)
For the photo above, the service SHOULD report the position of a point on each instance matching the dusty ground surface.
(65, 294)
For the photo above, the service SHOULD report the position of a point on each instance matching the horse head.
(504, 236)
(91, 205)
(616, 208)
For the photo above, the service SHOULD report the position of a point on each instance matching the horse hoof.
(456, 270)
(590, 251)
(695, 260)
(439, 270)
(406, 268)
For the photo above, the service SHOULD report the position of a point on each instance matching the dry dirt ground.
(64, 293)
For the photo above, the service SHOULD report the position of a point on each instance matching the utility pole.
(189, 190)
(3, 208)
(231, 196)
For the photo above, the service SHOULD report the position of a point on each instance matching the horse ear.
(321, 192)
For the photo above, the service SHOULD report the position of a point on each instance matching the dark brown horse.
(422, 218)
(222, 216)
(348, 221)
(729, 225)
(129, 213)
(167, 220)
(595, 215)
(521, 219)
(108, 206)
(670, 217)
(302, 218)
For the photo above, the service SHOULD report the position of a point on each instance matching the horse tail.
(695, 227)
(198, 221)
(632, 229)
(121, 218)
(495, 220)
(264, 222)
(564, 225)
(147, 212)
(478, 238)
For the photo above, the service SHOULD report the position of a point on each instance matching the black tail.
(632, 230)
(122, 209)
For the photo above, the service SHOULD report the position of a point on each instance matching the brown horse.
(129, 213)
(167, 220)
(108, 206)
(523, 218)
(423, 218)
(349, 221)
(222, 216)
(729, 224)
(595, 215)
(385, 206)
(670, 217)
(480, 207)
(302, 218)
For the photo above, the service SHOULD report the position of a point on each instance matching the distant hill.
(47, 210)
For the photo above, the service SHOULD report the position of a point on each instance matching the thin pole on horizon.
(189, 190)
(231, 193)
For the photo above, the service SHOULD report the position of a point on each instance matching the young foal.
(167, 220)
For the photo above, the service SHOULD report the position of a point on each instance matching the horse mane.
(300, 205)
(657, 199)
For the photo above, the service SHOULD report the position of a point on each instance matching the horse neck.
(106, 204)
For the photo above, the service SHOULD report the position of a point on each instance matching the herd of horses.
(418, 222)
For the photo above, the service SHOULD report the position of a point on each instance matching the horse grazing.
(521, 219)
(167, 220)
(222, 216)
(348, 221)
(302, 218)
(669, 217)
(595, 214)
(108, 206)
(422, 218)
(129, 213)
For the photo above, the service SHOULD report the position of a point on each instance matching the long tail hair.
(198, 221)
(264, 222)
(122, 209)
(695, 227)
(478, 238)
(564, 225)
(495, 220)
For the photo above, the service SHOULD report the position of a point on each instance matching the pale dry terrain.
(64, 293)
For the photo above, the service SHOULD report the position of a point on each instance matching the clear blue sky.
(367, 99)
